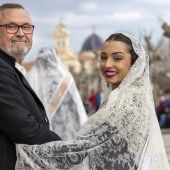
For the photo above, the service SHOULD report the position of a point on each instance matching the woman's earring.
(108, 85)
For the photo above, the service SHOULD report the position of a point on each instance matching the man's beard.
(18, 52)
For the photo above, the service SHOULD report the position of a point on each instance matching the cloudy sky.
(137, 17)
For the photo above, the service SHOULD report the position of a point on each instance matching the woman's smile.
(110, 73)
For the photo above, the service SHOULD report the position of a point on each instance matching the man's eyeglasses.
(13, 28)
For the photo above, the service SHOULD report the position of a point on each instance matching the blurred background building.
(84, 66)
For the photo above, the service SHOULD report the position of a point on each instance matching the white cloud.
(88, 6)
(155, 1)
(166, 16)
(127, 15)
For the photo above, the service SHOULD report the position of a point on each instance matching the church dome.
(93, 42)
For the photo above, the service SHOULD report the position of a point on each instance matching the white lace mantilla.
(55, 86)
(123, 135)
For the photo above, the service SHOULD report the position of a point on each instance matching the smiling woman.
(122, 133)
(115, 62)
(117, 56)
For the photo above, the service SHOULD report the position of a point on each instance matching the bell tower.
(61, 36)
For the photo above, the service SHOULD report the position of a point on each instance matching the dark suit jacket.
(22, 115)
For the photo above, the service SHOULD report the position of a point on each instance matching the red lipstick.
(110, 73)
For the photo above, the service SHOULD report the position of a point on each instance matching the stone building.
(89, 78)
(61, 37)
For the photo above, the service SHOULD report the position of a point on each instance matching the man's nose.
(20, 32)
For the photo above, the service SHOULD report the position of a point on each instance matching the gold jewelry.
(108, 85)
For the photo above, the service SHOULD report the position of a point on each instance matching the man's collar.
(20, 68)
(12, 62)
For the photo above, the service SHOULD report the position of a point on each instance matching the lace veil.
(123, 134)
(57, 90)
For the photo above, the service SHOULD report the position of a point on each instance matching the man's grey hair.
(10, 6)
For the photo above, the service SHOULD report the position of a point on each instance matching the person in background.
(98, 98)
(161, 107)
(55, 86)
(86, 104)
(163, 112)
(22, 115)
(91, 99)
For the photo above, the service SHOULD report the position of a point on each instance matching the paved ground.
(166, 138)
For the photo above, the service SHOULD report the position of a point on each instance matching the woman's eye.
(103, 57)
(117, 58)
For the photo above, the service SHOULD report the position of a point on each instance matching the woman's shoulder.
(133, 95)
(134, 91)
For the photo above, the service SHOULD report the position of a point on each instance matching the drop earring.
(108, 85)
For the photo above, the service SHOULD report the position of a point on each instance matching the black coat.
(22, 115)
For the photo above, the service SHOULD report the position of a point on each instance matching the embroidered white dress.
(57, 90)
(123, 135)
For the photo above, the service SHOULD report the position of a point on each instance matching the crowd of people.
(92, 102)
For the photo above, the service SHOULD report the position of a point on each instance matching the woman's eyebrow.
(117, 53)
(113, 53)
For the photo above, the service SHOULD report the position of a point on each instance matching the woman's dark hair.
(126, 40)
